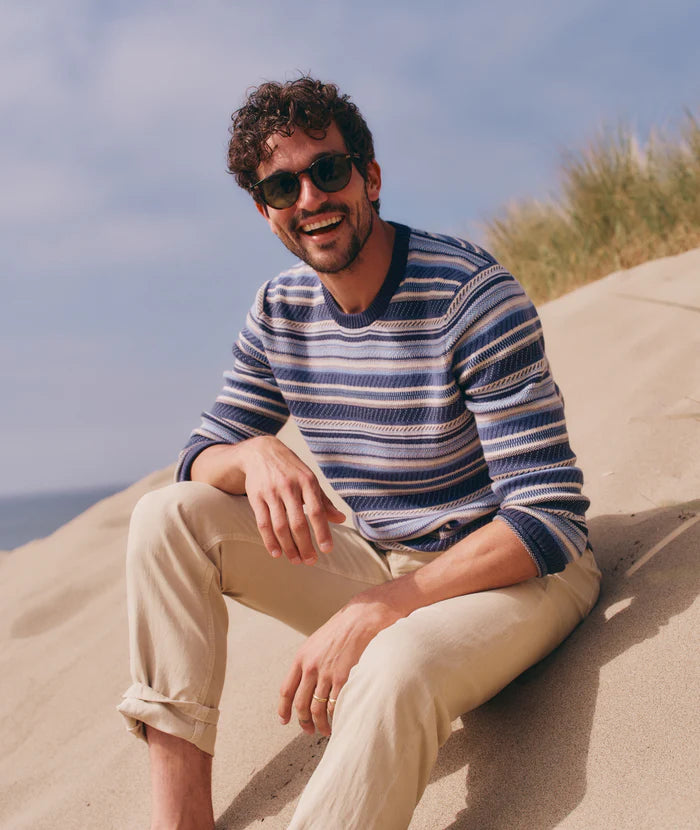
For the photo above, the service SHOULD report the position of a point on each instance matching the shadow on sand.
(524, 752)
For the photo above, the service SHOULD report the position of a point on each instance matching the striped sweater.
(431, 413)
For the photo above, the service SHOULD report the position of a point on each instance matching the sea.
(35, 515)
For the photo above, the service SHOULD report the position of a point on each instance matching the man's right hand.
(282, 492)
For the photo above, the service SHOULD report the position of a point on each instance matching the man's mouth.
(321, 226)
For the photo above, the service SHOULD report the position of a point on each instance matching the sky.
(129, 257)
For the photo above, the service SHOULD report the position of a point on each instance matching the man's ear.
(262, 210)
(373, 180)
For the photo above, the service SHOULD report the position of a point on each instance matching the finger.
(317, 514)
(330, 707)
(264, 523)
(302, 702)
(287, 692)
(299, 525)
(280, 525)
(334, 515)
(319, 707)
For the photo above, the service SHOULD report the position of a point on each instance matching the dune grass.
(620, 204)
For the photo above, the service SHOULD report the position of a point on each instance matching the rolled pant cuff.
(185, 719)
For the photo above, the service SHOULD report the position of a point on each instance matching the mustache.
(326, 207)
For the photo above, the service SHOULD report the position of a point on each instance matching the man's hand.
(322, 665)
(282, 492)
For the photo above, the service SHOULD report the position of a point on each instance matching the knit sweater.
(431, 413)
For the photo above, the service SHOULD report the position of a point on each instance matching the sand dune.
(604, 733)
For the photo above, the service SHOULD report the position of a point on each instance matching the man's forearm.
(491, 557)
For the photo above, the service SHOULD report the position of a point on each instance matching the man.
(414, 366)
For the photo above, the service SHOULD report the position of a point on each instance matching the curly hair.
(304, 102)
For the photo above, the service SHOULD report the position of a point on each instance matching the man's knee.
(174, 522)
(158, 507)
(394, 686)
(398, 666)
(189, 506)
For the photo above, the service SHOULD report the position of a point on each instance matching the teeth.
(324, 223)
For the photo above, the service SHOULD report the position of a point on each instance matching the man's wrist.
(399, 597)
(220, 465)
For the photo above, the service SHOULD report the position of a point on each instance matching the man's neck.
(355, 288)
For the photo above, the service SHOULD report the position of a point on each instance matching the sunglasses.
(329, 173)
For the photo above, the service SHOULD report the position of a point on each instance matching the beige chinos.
(189, 544)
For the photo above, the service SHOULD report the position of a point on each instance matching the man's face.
(325, 230)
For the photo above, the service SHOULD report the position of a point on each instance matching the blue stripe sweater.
(431, 413)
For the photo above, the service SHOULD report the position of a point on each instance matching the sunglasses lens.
(331, 173)
(280, 191)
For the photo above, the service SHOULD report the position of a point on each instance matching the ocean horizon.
(30, 516)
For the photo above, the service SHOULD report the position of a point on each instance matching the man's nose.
(310, 196)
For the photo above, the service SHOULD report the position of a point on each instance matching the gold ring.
(304, 722)
(320, 699)
(333, 700)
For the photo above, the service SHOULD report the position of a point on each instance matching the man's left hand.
(322, 665)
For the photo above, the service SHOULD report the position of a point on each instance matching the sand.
(604, 733)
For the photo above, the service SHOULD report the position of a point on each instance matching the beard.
(336, 255)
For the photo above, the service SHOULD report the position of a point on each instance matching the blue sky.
(128, 257)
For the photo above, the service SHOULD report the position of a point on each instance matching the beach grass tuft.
(620, 203)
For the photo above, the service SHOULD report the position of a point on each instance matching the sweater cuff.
(548, 556)
(183, 468)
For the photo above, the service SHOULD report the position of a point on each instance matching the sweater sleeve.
(501, 366)
(250, 403)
